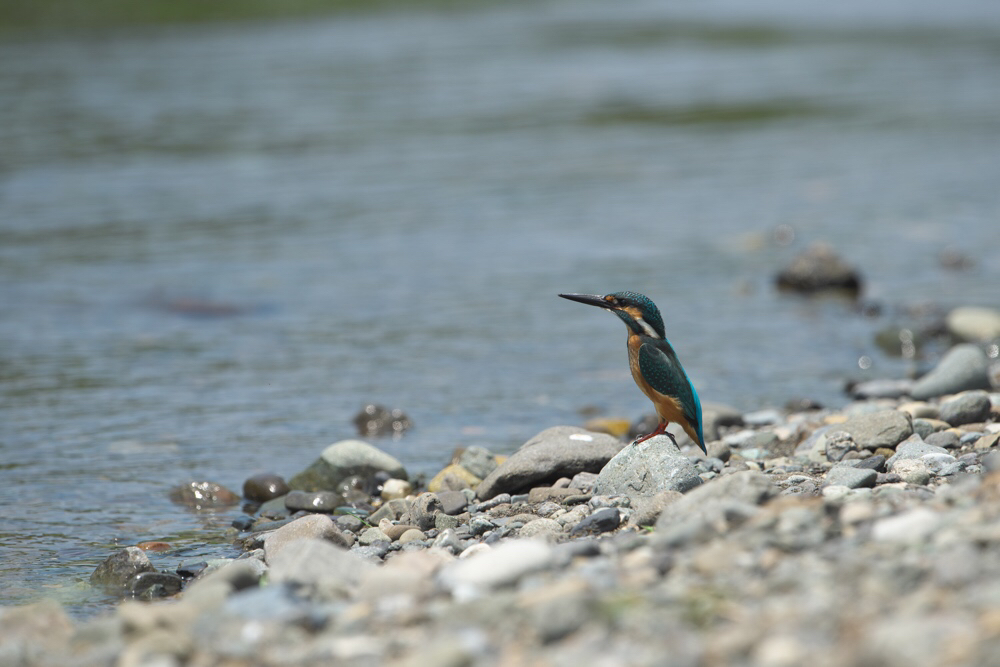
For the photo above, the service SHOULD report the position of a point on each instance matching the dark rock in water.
(313, 501)
(345, 459)
(153, 585)
(201, 495)
(119, 568)
(647, 468)
(191, 569)
(964, 367)
(561, 451)
(264, 487)
(243, 522)
(966, 408)
(602, 521)
(818, 269)
(377, 420)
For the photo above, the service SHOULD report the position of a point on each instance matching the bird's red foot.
(661, 429)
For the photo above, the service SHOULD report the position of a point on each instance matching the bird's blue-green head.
(638, 311)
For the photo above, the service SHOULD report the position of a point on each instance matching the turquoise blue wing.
(665, 374)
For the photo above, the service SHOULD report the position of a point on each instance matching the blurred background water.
(218, 241)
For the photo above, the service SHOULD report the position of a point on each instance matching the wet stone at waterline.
(376, 420)
(201, 495)
(263, 487)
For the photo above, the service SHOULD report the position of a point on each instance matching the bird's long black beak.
(589, 299)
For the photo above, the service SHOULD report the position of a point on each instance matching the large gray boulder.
(647, 468)
(560, 451)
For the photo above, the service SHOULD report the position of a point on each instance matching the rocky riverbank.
(865, 535)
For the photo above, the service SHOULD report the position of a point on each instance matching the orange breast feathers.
(668, 409)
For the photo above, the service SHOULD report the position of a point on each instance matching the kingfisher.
(655, 366)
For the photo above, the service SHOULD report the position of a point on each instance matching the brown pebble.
(153, 546)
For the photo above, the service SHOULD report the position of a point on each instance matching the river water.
(218, 242)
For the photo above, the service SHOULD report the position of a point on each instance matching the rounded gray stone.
(647, 468)
(560, 451)
(966, 408)
(344, 459)
(884, 428)
(852, 478)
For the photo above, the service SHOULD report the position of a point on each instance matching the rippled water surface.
(217, 243)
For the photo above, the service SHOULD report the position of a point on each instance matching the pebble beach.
(863, 535)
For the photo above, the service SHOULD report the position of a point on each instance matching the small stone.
(412, 535)
(762, 417)
(313, 501)
(602, 521)
(263, 487)
(584, 481)
(852, 478)
(541, 494)
(372, 535)
(478, 460)
(919, 410)
(875, 462)
(502, 565)
(838, 444)
(988, 441)
(966, 408)
(422, 510)
(912, 471)
(480, 525)
(449, 541)
(201, 495)
(453, 478)
(913, 448)
(964, 367)
(544, 529)
(153, 585)
(945, 439)
(394, 531)
(394, 489)
(312, 526)
(121, 567)
(452, 502)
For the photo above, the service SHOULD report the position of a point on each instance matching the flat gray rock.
(560, 451)
(884, 428)
(852, 478)
(647, 468)
(914, 448)
(344, 459)
(964, 367)
(312, 526)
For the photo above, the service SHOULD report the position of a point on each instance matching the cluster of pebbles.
(864, 535)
